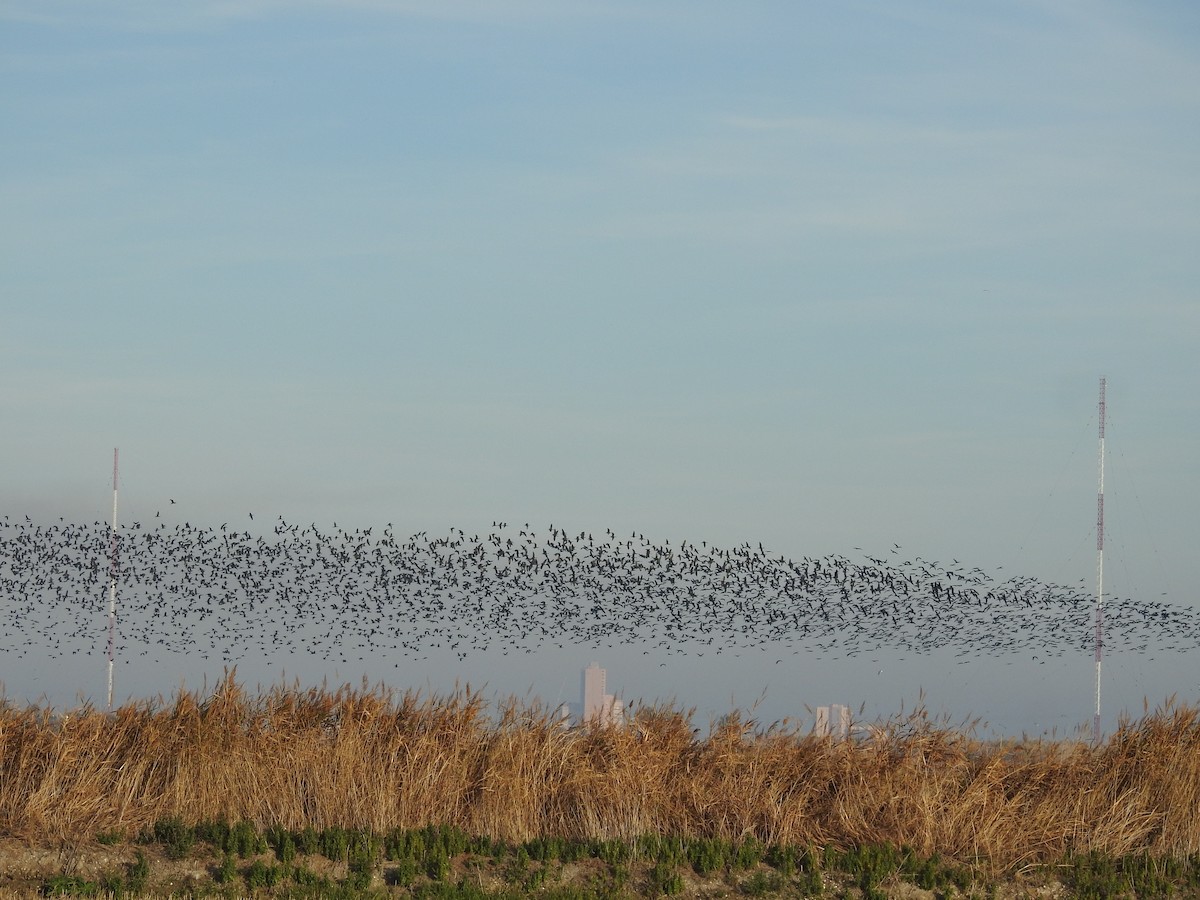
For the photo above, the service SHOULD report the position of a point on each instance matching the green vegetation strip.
(445, 862)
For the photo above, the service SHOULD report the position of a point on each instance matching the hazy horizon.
(828, 277)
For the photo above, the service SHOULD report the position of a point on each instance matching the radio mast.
(1099, 573)
(112, 586)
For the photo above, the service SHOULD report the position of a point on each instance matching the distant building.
(594, 681)
(598, 706)
(833, 721)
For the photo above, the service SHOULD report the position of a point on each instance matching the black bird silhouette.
(336, 592)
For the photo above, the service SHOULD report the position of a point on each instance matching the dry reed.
(380, 760)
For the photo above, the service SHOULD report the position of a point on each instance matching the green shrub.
(708, 855)
(176, 837)
(762, 883)
(451, 840)
(619, 877)
(573, 851)
(869, 866)
(749, 853)
(112, 884)
(782, 859)
(1094, 877)
(573, 892)
(809, 883)
(283, 842)
(437, 864)
(259, 875)
(244, 840)
(463, 890)
(69, 886)
(227, 871)
(402, 874)
(1150, 877)
(517, 867)
(546, 849)
(308, 841)
(612, 852)
(397, 844)
(137, 874)
(534, 880)
(215, 833)
(255, 875)
(665, 879)
(361, 865)
(307, 878)
(365, 844)
(334, 844)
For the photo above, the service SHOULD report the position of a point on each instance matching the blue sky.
(823, 275)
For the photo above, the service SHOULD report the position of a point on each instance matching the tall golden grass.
(376, 759)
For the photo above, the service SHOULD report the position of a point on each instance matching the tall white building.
(597, 705)
(833, 721)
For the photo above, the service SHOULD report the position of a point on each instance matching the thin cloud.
(869, 131)
(138, 15)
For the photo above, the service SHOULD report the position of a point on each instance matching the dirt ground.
(26, 870)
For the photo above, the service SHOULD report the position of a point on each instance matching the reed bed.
(376, 759)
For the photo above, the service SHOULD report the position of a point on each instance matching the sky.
(832, 276)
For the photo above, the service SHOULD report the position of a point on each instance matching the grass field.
(375, 762)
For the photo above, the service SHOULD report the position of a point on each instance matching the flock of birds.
(226, 593)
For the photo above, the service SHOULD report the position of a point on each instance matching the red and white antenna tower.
(112, 586)
(1099, 573)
